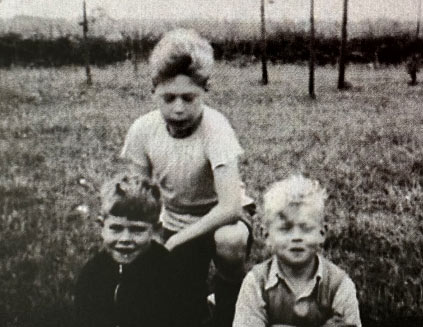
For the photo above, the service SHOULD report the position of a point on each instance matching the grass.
(365, 145)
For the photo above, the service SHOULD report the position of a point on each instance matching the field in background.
(59, 141)
(42, 42)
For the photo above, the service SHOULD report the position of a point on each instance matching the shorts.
(193, 259)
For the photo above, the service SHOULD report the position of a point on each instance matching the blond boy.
(297, 286)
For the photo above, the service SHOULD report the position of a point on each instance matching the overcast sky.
(248, 9)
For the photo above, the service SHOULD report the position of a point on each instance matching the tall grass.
(364, 145)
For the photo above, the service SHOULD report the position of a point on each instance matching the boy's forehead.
(110, 219)
(178, 84)
(299, 212)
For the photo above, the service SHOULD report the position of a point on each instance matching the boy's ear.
(207, 86)
(322, 233)
(100, 220)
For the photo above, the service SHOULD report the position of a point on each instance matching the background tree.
(84, 25)
(419, 17)
(342, 56)
(264, 73)
(413, 63)
(312, 53)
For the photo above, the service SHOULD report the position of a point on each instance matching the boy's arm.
(133, 154)
(137, 169)
(345, 303)
(228, 210)
(250, 310)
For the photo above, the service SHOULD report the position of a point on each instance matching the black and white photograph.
(211, 163)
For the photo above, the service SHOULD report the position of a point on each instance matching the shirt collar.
(276, 275)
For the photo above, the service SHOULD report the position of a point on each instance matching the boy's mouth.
(178, 123)
(297, 250)
(124, 251)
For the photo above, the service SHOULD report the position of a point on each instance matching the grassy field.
(59, 141)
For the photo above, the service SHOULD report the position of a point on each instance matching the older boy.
(132, 281)
(297, 286)
(192, 152)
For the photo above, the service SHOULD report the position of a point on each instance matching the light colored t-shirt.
(183, 167)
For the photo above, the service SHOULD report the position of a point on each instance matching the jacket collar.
(276, 275)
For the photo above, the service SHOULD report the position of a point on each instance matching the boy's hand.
(172, 242)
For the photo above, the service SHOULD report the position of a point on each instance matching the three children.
(191, 151)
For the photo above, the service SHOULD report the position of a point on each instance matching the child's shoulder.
(158, 250)
(99, 261)
(157, 256)
(331, 267)
(147, 121)
(214, 121)
(95, 268)
(213, 115)
(259, 273)
(331, 273)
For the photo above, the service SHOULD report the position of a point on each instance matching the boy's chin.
(296, 262)
(124, 258)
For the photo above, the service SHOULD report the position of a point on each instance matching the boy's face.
(125, 239)
(180, 102)
(295, 234)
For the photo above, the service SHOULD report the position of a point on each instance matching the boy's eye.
(137, 229)
(285, 226)
(188, 97)
(307, 228)
(116, 228)
(169, 98)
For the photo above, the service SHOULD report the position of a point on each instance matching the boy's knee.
(231, 242)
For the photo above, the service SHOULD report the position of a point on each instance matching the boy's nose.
(125, 236)
(178, 106)
(297, 235)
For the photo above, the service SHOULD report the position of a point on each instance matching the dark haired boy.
(132, 281)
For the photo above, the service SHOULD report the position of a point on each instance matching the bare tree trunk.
(312, 53)
(419, 15)
(84, 25)
(135, 42)
(342, 56)
(413, 62)
(265, 77)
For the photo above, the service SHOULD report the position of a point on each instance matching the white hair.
(294, 190)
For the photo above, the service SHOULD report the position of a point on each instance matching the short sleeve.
(250, 310)
(222, 144)
(134, 148)
(345, 303)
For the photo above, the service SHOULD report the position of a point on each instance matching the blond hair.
(182, 52)
(133, 197)
(294, 190)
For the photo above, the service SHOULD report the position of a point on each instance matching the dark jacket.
(144, 293)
